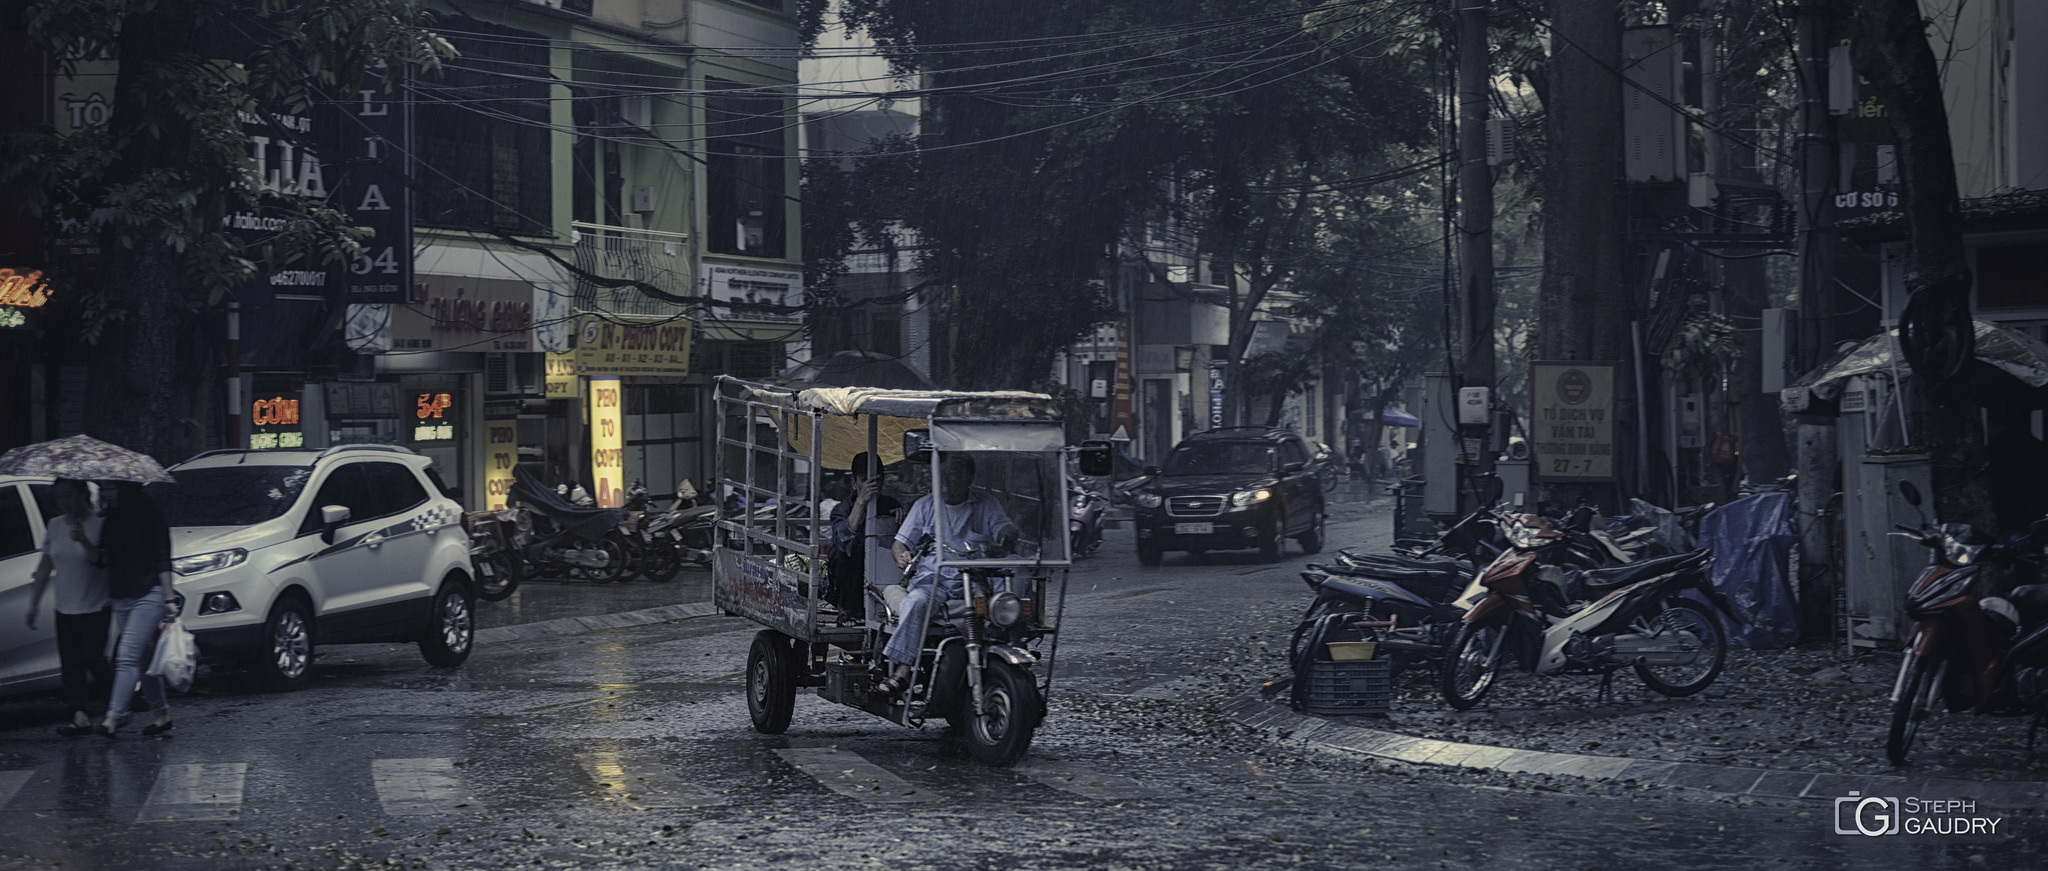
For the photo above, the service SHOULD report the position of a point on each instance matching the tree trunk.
(135, 375)
(1580, 305)
(1890, 51)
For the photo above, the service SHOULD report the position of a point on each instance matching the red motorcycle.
(1969, 651)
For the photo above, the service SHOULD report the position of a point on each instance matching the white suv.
(277, 550)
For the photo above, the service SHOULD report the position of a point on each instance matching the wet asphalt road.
(629, 748)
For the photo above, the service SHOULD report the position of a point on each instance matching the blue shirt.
(979, 520)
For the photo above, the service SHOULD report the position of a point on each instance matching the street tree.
(1890, 51)
(1050, 132)
(149, 189)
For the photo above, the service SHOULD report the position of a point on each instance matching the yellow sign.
(562, 381)
(1572, 433)
(607, 348)
(608, 442)
(24, 289)
(501, 453)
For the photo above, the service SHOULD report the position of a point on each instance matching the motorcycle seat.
(1609, 578)
(2032, 602)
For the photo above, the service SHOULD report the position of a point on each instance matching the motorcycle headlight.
(1005, 609)
(209, 562)
(1250, 497)
(1080, 502)
(1147, 500)
(1959, 553)
(1524, 537)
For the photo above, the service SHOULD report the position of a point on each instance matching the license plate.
(1193, 528)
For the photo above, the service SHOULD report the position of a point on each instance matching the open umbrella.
(83, 458)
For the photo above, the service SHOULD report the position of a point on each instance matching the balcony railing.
(652, 257)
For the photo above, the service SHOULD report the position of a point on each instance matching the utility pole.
(1475, 214)
(1816, 457)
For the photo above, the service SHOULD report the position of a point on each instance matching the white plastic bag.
(176, 656)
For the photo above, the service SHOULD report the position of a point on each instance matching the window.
(1291, 452)
(232, 495)
(744, 164)
(344, 487)
(392, 489)
(482, 127)
(16, 536)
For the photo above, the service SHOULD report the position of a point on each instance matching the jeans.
(82, 659)
(135, 626)
(915, 617)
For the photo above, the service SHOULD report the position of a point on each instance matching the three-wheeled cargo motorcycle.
(986, 662)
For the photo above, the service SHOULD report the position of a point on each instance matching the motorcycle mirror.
(917, 445)
(1095, 459)
(1911, 493)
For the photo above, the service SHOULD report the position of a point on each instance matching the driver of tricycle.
(973, 521)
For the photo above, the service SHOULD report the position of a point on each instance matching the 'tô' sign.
(1572, 420)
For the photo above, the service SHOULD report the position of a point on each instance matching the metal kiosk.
(986, 662)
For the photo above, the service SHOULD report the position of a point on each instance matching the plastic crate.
(1339, 687)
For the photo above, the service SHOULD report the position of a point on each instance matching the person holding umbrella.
(72, 554)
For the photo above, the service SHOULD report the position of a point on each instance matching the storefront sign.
(274, 423)
(501, 453)
(1572, 435)
(562, 381)
(604, 347)
(465, 314)
(433, 417)
(373, 188)
(608, 441)
(764, 295)
(20, 291)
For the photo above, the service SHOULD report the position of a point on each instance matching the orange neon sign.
(24, 289)
(276, 411)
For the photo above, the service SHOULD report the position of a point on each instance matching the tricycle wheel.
(1010, 711)
(771, 682)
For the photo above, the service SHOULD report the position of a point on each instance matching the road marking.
(11, 781)
(846, 773)
(643, 783)
(1086, 783)
(410, 787)
(195, 792)
(1136, 593)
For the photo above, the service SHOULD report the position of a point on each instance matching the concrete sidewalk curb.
(594, 622)
(1341, 735)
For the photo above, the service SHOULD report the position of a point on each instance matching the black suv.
(1241, 487)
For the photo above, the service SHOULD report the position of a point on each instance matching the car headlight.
(1147, 500)
(1249, 497)
(209, 562)
(1005, 609)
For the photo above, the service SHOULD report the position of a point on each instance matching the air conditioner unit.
(637, 111)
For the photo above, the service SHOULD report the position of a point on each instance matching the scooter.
(1557, 619)
(1969, 652)
(494, 550)
(1087, 512)
(685, 529)
(564, 539)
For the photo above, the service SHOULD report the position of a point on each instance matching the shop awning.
(1394, 416)
(2007, 350)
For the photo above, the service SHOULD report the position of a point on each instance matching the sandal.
(892, 685)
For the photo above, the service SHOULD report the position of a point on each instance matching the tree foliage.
(1051, 130)
(151, 186)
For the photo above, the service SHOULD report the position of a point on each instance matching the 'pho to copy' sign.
(607, 441)
(1572, 424)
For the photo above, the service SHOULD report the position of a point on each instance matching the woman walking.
(71, 554)
(137, 543)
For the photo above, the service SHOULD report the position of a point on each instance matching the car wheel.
(285, 661)
(1312, 540)
(451, 632)
(1269, 548)
(1150, 553)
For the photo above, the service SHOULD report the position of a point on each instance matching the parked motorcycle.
(563, 539)
(1969, 651)
(494, 549)
(1557, 618)
(1087, 512)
